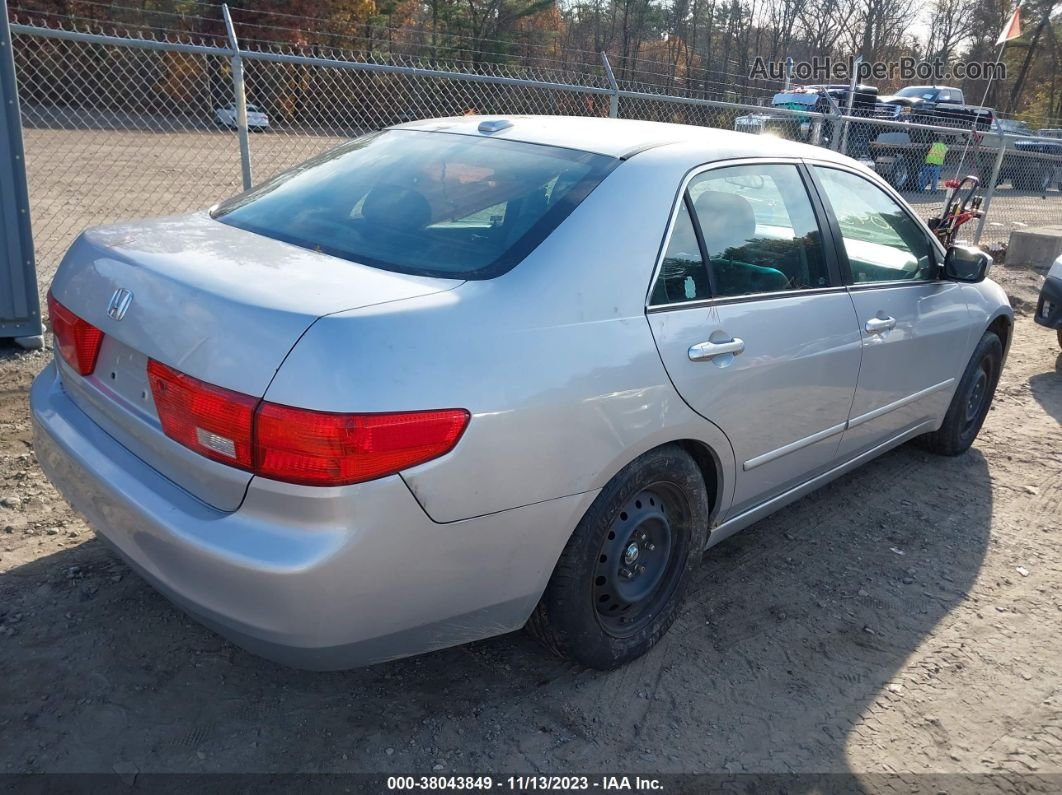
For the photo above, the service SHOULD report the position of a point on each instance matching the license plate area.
(121, 376)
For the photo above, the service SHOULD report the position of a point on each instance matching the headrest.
(394, 206)
(727, 221)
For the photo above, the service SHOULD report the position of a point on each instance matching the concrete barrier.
(1037, 247)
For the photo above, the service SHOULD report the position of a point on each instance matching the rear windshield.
(426, 203)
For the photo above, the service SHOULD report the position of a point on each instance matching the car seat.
(394, 208)
(729, 227)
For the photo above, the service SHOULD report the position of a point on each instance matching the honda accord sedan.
(468, 375)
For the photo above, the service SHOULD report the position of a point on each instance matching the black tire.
(972, 399)
(598, 608)
(901, 177)
(1060, 338)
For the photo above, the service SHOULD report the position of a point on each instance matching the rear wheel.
(972, 399)
(619, 582)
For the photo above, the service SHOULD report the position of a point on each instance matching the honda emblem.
(119, 304)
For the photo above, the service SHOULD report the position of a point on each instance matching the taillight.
(78, 340)
(319, 449)
(214, 422)
(298, 445)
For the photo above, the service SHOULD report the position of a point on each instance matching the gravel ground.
(905, 618)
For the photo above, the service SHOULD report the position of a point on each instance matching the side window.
(682, 274)
(883, 243)
(759, 229)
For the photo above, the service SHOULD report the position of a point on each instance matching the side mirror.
(966, 264)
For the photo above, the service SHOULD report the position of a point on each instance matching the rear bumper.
(1049, 307)
(322, 578)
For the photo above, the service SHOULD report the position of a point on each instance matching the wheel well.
(711, 472)
(1001, 328)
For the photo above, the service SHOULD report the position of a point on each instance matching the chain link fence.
(121, 127)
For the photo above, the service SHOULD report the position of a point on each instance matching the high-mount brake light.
(78, 340)
(296, 445)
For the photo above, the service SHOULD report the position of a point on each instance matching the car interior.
(751, 241)
(422, 203)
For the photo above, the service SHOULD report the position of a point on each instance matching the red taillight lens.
(297, 445)
(78, 340)
(214, 422)
(321, 449)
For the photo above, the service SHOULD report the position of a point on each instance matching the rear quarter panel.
(555, 360)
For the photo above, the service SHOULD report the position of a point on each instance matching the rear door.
(911, 323)
(753, 324)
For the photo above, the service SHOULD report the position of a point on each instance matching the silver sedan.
(467, 375)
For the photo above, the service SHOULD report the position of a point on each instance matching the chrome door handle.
(703, 351)
(877, 325)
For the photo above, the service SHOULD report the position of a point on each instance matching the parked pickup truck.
(938, 105)
(814, 99)
(923, 98)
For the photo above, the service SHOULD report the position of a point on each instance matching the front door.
(911, 323)
(753, 325)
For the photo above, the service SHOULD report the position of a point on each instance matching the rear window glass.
(426, 203)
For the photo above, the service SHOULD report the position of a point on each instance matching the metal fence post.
(815, 137)
(241, 100)
(992, 180)
(836, 117)
(613, 100)
(850, 104)
(20, 306)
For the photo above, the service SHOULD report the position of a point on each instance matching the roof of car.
(620, 137)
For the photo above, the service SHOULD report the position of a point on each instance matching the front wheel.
(619, 582)
(973, 397)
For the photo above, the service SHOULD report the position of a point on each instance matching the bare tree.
(877, 29)
(821, 24)
(1044, 9)
(950, 25)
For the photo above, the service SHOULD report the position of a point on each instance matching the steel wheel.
(634, 574)
(618, 584)
(976, 396)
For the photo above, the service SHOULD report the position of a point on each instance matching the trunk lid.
(218, 303)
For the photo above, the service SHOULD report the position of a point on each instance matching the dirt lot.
(906, 618)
